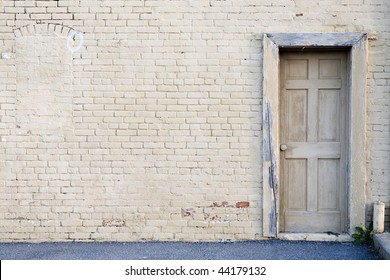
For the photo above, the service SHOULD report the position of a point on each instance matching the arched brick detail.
(42, 28)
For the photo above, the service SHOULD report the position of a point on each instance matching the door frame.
(356, 45)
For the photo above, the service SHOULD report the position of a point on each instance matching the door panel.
(329, 68)
(297, 69)
(328, 186)
(297, 112)
(328, 114)
(296, 170)
(321, 222)
(312, 127)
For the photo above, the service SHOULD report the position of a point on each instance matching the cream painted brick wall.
(152, 129)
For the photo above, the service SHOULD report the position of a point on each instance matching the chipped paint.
(269, 156)
(220, 204)
(113, 223)
(298, 40)
(270, 136)
(267, 142)
(361, 43)
(189, 212)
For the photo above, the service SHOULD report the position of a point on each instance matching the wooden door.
(313, 141)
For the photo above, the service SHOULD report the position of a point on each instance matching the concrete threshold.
(331, 237)
(382, 244)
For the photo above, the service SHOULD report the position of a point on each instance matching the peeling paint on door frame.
(356, 170)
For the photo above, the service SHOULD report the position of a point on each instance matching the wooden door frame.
(356, 43)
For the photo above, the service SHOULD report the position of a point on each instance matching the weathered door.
(313, 141)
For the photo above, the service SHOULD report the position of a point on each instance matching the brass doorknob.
(283, 147)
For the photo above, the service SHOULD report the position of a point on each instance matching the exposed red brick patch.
(113, 223)
(220, 204)
(189, 212)
(242, 204)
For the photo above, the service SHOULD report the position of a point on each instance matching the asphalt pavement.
(246, 250)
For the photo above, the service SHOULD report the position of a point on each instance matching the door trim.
(356, 43)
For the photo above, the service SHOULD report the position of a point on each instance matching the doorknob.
(283, 147)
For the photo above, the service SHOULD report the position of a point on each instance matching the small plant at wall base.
(363, 235)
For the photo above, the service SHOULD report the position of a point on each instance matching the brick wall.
(145, 122)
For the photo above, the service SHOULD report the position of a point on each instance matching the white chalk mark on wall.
(5, 56)
(74, 35)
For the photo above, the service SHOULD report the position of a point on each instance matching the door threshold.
(344, 237)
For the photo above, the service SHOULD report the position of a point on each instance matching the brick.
(157, 110)
(242, 204)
